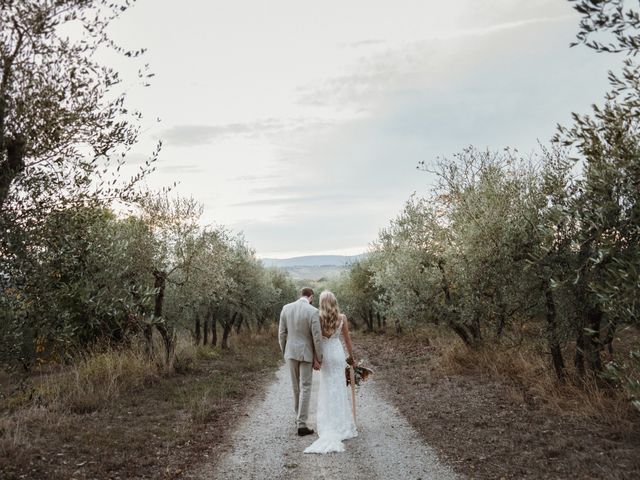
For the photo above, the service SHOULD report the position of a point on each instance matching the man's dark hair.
(306, 292)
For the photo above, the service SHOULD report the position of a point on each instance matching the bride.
(334, 415)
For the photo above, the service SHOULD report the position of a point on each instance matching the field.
(502, 416)
(314, 273)
(130, 420)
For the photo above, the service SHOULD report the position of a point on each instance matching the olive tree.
(176, 244)
(64, 133)
(360, 297)
(88, 282)
(62, 118)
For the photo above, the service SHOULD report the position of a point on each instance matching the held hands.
(352, 361)
(316, 364)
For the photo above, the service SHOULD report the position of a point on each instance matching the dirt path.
(265, 444)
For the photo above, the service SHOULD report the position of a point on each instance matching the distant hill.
(312, 267)
(311, 261)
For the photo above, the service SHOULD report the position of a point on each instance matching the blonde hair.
(329, 313)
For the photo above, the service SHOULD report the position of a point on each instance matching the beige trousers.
(301, 377)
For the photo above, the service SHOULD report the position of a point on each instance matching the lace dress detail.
(334, 421)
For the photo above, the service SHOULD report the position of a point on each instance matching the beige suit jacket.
(299, 332)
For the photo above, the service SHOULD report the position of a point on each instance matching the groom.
(299, 335)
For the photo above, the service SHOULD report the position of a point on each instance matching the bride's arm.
(347, 338)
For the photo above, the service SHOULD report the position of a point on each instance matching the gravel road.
(265, 444)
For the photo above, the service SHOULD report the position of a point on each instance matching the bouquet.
(360, 373)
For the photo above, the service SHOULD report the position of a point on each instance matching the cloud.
(135, 158)
(446, 75)
(499, 27)
(350, 180)
(252, 178)
(192, 135)
(317, 231)
(299, 200)
(363, 43)
(429, 62)
(182, 169)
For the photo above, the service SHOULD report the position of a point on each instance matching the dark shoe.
(305, 431)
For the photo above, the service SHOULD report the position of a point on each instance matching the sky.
(301, 123)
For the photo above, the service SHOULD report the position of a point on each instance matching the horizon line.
(351, 252)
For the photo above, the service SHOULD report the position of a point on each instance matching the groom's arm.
(282, 331)
(316, 333)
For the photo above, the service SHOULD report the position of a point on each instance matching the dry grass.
(12, 435)
(530, 379)
(113, 410)
(499, 413)
(257, 349)
(185, 355)
(101, 376)
(16, 429)
(250, 352)
(96, 379)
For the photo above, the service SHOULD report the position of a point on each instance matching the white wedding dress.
(334, 420)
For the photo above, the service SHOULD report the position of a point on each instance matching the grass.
(498, 412)
(528, 374)
(95, 380)
(119, 413)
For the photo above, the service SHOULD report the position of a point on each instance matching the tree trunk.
(594, 320)
(205, 324)
(197, 328)
(239, 324)
(166, 333)
(476, 332)
(168, 339)
(159, 285)
(214, 330)
(367, 317)
(552, 335)
(398, 326)
(362, 314)
(12, 149)
(444, 283)
(578, 359)
(588, 343)
(468, 336)
(226, 330)
(12, 166)
(611, 331)
(502, 319)
(148, 337)
(462, 333)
